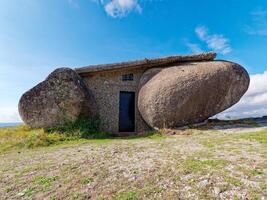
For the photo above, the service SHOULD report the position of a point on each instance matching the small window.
(127, 77)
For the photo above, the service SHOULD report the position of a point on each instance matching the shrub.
(24, 137)
(83, 127)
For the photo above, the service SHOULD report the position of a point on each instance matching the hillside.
(221, 160)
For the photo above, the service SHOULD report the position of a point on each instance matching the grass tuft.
(24, 137)
(129, 195)
(87, 180)
(83, 127)
(45, 181)
(260, 137)
(191, 165)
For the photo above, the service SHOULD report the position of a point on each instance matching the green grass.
(27, 192)
(216, 122)
(256, 172)
(87, 180)
(129, 195)
(260, 137)
(20, 137)
(44, 181)
(137, 167)
(23, 137)
(233, 181)
(192, 165)
(83, 127)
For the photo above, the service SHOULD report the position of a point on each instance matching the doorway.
(127, 112)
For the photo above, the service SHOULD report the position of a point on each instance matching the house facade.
(116, 94)
(115, 88)
(138, 96)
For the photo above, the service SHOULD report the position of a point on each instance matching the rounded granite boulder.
(190, 93)
(61, 97)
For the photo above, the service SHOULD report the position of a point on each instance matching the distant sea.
(9, 124)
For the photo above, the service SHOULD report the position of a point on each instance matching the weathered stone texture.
(170, 92)
(190, 93)
(105, 87)
(61, 97)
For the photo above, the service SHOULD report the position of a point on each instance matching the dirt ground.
(221, 163)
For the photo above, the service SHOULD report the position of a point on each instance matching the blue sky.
(37, 36)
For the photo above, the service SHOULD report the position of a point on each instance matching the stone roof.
(148, 63)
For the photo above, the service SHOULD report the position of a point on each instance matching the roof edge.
(208, 56)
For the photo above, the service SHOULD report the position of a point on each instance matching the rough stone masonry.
(169, 92)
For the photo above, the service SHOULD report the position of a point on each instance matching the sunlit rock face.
(190, 93)
(60, 98)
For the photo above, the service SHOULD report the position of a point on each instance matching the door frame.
(134, 114)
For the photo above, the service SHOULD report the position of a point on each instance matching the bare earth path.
(226, 163)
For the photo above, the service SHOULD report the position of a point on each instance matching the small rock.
(203, 183)
(21, 194)
(216, 191)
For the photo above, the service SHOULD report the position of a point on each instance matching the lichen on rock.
(61, 97)
(190, 93)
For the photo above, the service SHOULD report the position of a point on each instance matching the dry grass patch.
(206, 164)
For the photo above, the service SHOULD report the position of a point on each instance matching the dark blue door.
(127, 112)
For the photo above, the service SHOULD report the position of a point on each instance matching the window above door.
(127, 77)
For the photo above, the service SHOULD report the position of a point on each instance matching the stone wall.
(105, 87)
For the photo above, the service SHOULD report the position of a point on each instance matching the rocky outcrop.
(190, 93)
(61, 97)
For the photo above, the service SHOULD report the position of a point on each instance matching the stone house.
(115, 88)
(137, 96)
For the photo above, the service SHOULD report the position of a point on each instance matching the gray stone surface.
(190, 93)
(61, 97)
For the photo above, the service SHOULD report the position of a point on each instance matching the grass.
(45, 181)
(27, 192)
(83, 127)
(23, 137)
(260, 137)
(129, 195)
(192, 165)
(87, 180)
(218, 139)
(186, 166)
(216, 122)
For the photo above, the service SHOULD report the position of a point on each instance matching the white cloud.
(201, 32)
(215, 42)
(117, 8)
(195, 48)
(259, 23)
(120, 8)
(253, 103)
(9, 114)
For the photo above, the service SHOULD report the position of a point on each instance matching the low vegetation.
(187, 164)
(81, 130)
(23, 137)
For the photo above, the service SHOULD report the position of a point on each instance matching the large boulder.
(61, 97)
(190, 93)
